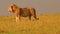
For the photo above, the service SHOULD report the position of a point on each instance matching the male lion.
(24, 12)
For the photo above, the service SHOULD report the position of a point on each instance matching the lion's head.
(12, 8)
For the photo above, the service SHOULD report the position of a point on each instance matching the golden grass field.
(47, 24)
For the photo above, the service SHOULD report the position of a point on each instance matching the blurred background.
(41, 6)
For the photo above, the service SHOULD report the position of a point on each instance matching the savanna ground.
(47, 24)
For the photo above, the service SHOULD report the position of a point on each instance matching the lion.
(24, 12)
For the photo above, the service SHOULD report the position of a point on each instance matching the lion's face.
(12, 8)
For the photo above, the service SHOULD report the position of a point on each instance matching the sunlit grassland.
(47, 24)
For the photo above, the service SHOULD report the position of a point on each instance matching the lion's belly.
(24, 14)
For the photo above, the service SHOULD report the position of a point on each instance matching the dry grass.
(47, 24)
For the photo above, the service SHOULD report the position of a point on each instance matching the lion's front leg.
(17, 18)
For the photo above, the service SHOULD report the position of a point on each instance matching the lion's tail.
(35, 16)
